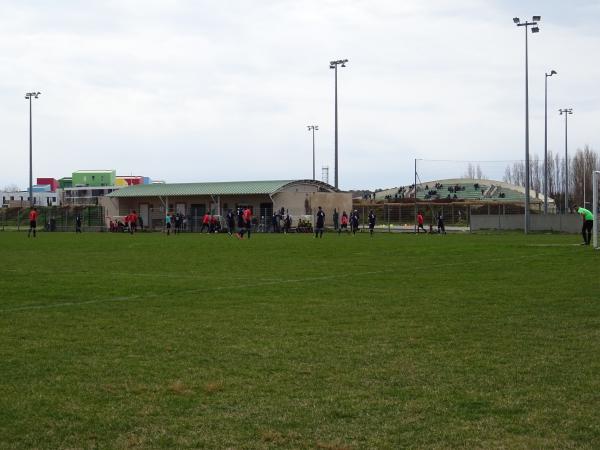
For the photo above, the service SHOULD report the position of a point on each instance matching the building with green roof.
(193, 200)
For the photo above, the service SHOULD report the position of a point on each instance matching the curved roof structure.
(214, 188)
(512, 192)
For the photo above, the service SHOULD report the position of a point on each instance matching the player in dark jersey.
(240, 223)
(372, 219)
(78, 223)
(354, 218)
(320, 223)
(441, 228)
(230, 218)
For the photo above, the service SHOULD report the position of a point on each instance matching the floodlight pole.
(566, 112)
(552, 72)
(334, 65)
(535, 29)
(313, 128)
(415, 186)
(28, 96)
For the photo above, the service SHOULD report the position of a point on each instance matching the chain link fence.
(397, 217)
(53, 218)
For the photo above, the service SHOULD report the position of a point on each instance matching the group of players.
(244, 222)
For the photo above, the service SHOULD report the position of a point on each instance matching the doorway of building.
(145, 214)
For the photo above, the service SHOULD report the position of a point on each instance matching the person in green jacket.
(588, 224)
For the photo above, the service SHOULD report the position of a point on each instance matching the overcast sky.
(223, 90)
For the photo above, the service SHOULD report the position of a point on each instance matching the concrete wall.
(570, 223)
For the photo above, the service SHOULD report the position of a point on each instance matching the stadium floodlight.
(313, 128)
(526, 25)
(566, 112)
(29, 96)
(552, 72)
(536, 18)
(334, 65)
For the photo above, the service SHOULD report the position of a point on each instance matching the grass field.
(197, 341)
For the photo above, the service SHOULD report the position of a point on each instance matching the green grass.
(198, 341)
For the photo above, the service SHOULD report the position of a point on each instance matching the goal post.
(596, 180)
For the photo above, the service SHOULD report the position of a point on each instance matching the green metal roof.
(190, 189)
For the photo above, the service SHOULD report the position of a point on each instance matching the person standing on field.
(344, 225)
(247, 221)
(320, 223)
(133, 222)
(78, 223)
(420, 221)
(205, 223)
(336, 219)
(588, 224)
(354, 219)
(230, 222)
(441, 228)
(33, 215)
(372, 219)
(168, 224)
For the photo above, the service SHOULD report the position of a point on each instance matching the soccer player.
(33, 215)
(133, 222)
(336, 219)
(168, 223)
(287, 223)
(320, 223)
(354, 218)
(230, 222)
(420, 221)
(241, 224)
(344, 223)
(588, 224)
(78, 223)
(441, 228)
(205, 223)
(372, 219)
(247, 215)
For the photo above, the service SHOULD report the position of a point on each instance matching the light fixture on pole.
(534, 29)
(334, 65)
(313, 128)
(566, 112)
(29, 96)
(552, 72)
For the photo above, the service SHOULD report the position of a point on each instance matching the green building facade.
(65, 182)
(94, 178)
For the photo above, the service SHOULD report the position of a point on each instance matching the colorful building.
(129, 180)
(94, 178)
(65, 182)
(52, 182)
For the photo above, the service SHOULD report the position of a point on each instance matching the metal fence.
(394, 217)
(53, 218)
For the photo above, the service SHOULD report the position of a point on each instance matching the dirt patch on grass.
(213, 387)
(179, 387)
(333, 446)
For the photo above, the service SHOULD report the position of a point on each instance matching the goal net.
(595, 206)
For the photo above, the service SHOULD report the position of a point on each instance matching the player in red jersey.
(33, 215)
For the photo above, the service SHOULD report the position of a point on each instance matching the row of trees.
(580, 168)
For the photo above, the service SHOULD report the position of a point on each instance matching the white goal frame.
(596, 181)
